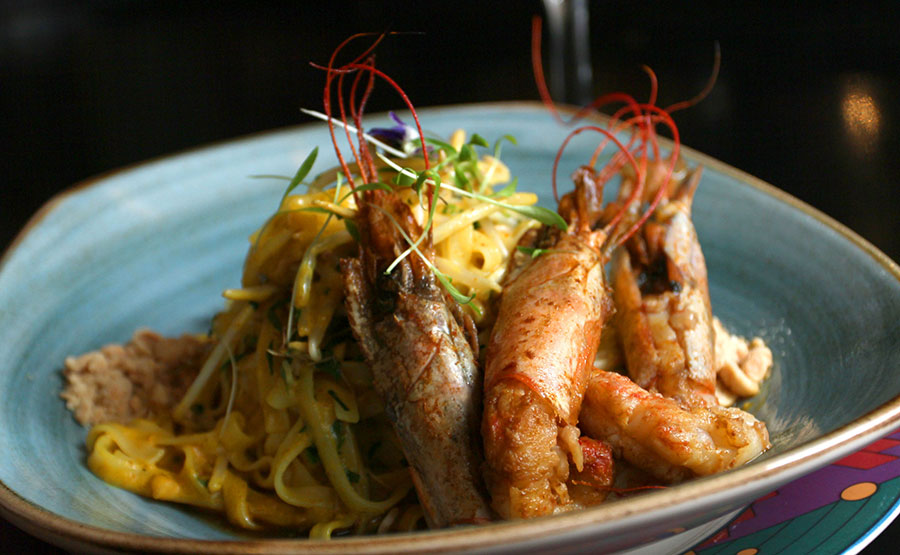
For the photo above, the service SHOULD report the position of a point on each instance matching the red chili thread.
(326, 95)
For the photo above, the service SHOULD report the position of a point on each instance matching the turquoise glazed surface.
(154, 246)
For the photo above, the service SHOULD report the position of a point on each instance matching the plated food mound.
(415, 342)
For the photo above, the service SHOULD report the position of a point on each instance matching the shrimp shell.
(662, 297)
(538, 362)
(424, 367)
(661, 437)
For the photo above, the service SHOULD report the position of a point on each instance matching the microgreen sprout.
(352, 229)
(443, 278)
(464, 166)
(507, 191)
(539, 213)
(499, 142)
(232, 393)
(302, 172)
(532, 251)
(478, 140)
(436, 179)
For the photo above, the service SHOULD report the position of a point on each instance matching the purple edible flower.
(398, 136)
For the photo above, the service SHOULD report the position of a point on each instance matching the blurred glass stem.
(570, 54)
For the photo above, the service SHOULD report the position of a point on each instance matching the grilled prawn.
(667, 421)
(419, 343)
(659, 436)
(539, 359)
(660, 289)
(422, 354)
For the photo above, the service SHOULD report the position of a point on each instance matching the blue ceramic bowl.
(154, 246)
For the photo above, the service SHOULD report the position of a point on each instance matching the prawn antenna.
(362, 64)
(538, 70)
(330, 72)
(352, 107)
(654, 84)
(544, 92)
(664, 117)
(638, 170)
(710, 83)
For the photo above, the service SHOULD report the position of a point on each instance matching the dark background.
(808, 98)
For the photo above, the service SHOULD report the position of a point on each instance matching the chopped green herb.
(337, 399)
(330, 366)
(352, 229)
(312, 455)
(372, 450)
(272, 314)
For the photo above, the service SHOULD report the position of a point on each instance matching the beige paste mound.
(143, 378)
